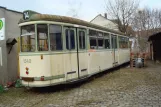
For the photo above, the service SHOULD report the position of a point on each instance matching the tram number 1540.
(27, 60)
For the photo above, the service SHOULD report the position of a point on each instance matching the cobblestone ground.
(124, 87)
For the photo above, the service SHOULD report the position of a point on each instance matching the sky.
(85, 9)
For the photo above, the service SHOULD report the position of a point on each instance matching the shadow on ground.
(61, 87)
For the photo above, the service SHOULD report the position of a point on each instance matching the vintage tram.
(58, 49)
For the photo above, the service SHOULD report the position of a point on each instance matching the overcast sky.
(88, 9)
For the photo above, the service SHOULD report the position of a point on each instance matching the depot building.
(9, 48)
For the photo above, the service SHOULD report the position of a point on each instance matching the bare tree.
(122, 11)
(74, 8)
(146, 22)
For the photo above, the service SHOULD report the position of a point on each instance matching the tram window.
(100, 43)
(28, 38)
(42, 37)
(92, 33)
(114, 41)
(107, 44)
(106, 35)
(123, 42)
(81, 39)
(100, 34)
(55, 37)
(93, 43)
(70, 39)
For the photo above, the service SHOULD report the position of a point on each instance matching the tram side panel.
(105, 60)
(100, 61)
(124, 55)
(71, 66)
(116, 57)
(35, 67)
(83, 64)
(93, 60)
(57, 68)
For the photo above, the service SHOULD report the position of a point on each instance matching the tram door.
(82, 52)
(114, 49)
(70, 57)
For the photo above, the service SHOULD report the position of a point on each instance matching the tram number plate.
(27, 79)
(27, 60)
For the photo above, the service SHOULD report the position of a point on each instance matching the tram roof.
(34, 16)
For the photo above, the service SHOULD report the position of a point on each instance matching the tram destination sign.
(2, 28)
(28, 13)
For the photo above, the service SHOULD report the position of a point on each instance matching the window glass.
(123, 42)
(93, 39)
(106, 35)
(100, 43)
(55, 32)
(107, 40)
(81, 40)
(93, 43)
(107, 43)
(28, 38)
(42, 37)
(114, 41)
(100, 34)
(92, 33)
(70, 39)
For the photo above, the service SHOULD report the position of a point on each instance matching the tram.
(59, 49)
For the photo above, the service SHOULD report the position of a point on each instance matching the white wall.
(100, 20)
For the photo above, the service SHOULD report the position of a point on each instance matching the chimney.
(105, 15)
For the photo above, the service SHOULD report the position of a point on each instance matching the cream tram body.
(55, 52)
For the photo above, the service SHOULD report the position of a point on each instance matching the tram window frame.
(123, 42)
(92, 37)
(91, 43)
(82, 40)
(45, 42)
(107, 37)
(58, 46)
(68, 47)
(116, 41)
(33, 37)
(100, 40)
(108, 46)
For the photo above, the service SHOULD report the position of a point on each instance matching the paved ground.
(124, 88)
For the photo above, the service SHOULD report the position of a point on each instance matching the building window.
(55, 32)
(81, 40)
(70, 39)
(42, 37)
(28, 38)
